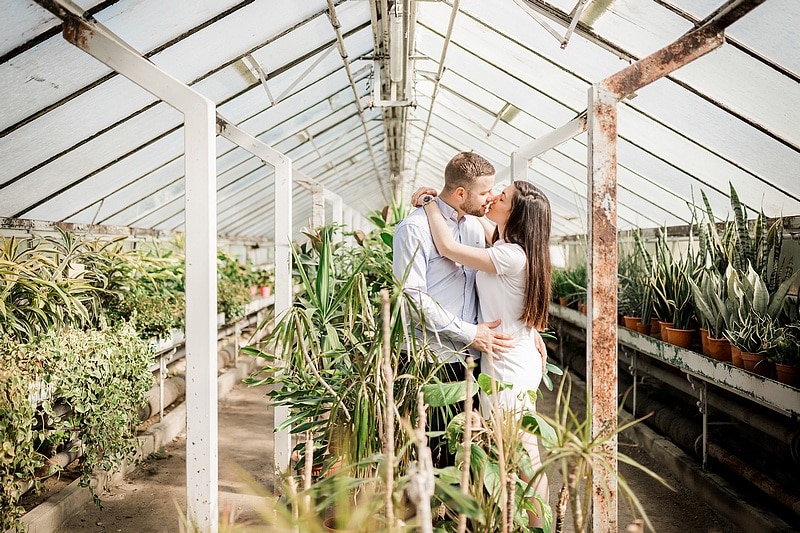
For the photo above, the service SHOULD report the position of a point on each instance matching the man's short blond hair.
(464, 169)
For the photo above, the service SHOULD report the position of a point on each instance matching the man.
(444, 290)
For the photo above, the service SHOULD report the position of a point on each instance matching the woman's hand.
(419, 193)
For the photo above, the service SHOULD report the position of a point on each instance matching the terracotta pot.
(788, 374)
(582, 308)
(757, 364)
(663, 328)
(719, 349)
(631, 321)
(680, 337)
(655, 327)
(266, 291)
(736, 357)
(644, 329)
(703, 338)
(562, 300)
(253, 290)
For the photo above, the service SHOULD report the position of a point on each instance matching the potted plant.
(671, 285)
(755, 336)
(561, 287)
(785, 354)
(265, 281)
(715, 311)
(577, 278)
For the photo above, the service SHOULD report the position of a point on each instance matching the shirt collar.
(447, 210)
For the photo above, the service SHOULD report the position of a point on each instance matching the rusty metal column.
(601, 345)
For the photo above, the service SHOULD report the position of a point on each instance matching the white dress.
(501, 296)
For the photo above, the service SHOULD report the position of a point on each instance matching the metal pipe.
(437, 81)
(734, 409)
(337, 28)
(687, 433)
(174, 388)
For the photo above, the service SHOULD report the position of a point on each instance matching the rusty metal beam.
(601, 345)
(694, 44)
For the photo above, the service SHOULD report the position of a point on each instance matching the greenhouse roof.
(376, 97)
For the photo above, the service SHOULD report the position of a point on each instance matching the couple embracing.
(488, 302)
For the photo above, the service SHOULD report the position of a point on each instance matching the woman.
(513, 284)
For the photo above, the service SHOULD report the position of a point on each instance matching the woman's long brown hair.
(529, 226)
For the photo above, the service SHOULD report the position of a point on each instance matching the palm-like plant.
(324, 353)
(577, 454)
(36, 292)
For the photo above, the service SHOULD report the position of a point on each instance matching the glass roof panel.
(58, 130)
(85, 159)
(773, 31)
(112, 178)
(729, 76)
(640, 27)
(22, 21)
(699, 9)
(44, 75)
(143, 25)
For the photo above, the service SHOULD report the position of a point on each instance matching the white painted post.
(283, 253)
(283, 289)
(201, 320)
(336, 206)
(317, 205)
(519, 167)
(201, 244)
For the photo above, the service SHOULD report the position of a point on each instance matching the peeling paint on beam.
(601, 345)
(691, 46)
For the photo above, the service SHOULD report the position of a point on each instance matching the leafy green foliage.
(19, 458)
(324, 354)
(101, 375)
(233, 286)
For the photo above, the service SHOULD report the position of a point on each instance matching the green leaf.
(459, 502)
(534, 423)
(440, 394)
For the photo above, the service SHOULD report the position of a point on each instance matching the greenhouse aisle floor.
(148, 501)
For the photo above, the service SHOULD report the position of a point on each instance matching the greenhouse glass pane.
(115, 177)
(499, 83)
(63, 127)
(42, 76)
(698, 164)
(699, 9)
(743, 83)
(142, 24)
(22, 21)
(581, 57)
(773, 31)
(129, 196)
(716, 131)
(640, 27)
(86, 158)
(229, 38)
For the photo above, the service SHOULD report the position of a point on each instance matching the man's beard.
(470, 207)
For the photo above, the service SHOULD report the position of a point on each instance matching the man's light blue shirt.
(445, 290)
